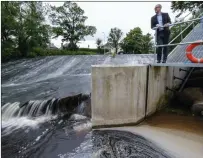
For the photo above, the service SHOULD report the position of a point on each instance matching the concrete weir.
(124, 94)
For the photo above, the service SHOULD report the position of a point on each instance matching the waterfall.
(36, 108)
(30, 109)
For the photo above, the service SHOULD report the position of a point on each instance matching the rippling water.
(32, 82)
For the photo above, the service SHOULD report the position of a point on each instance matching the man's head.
(158, 8)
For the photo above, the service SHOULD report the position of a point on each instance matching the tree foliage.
(175, 30)
(9, 12)
(69, 22)
(115, 37)
(186, 5)
(99, 44)
(23, 27)
(137, 43)
(32, 31)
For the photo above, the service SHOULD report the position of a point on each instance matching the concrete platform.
(178, 64)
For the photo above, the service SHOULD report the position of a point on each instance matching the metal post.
(155, 45)
(201, 23)
(104, 41)
(181, 32)
(193, 25)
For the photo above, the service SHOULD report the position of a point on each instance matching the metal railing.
(180, 34)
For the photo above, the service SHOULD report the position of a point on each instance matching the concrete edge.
(118, 125)
(178, 64)
(104, 66)
(153, 64)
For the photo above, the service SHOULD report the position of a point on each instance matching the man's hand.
(166, 25)
(157, 25)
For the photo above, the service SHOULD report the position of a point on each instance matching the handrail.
(166, 45)
(156, 28)
(184, 29)
(182, 18)
(180, 33)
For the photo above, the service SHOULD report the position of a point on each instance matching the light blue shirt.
(160, 21)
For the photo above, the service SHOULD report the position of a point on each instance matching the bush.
(50, 52)
(10, 53)
(88, 50)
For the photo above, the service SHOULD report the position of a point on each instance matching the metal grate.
(178, 55)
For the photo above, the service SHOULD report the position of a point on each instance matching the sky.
(124, 15)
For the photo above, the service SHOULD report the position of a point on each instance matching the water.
(54, 77)
(181, 136)
(46, 112)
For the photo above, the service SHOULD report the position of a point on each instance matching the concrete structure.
(126, 94)
(160, 77)
(118, 94)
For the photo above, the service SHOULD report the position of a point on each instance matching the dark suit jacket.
(165, 19)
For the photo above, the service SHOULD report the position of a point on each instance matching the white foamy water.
(83, 126)
(60, 71)
(180, 144)
(77, 117)
(15, 123)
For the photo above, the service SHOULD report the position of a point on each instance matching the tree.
(23, 27)
(137, 43)
(31, 31)
(175, 30)
(99, 42)
(69, 22)
(115, 37)
(147, 44)
(132, 43)
(185, 5)
(9, 12)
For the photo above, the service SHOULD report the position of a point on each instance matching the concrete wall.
(159, 78)
(118, 94)
(126, 94)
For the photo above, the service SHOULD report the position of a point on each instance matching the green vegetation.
(115, 37)
(25, 31)
(69, 22)
(50, 52)
(175, 30)
(137, 43)
(23, 28)
(186, 5)
(99, 44)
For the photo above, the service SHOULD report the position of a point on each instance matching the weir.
(128, 94)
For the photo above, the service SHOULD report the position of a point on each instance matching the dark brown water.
(181, 136)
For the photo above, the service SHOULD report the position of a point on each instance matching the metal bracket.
(170, 89)
(178, 78)
(183, 70)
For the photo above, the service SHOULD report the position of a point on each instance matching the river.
(33, 92)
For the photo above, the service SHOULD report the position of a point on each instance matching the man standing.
(159, 20)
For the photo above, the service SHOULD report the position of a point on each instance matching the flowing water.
(46, 113)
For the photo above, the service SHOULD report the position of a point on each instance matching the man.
(159, 20)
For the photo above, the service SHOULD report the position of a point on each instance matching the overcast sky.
(124, 15)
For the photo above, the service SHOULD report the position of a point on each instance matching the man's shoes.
(164, 61)
(158, 61)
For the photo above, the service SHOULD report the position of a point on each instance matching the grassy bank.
(51, 52)
(12, 54)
